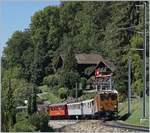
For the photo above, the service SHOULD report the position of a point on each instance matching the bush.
(40, 121)
(88, 71)
(70, 79)
(51, 80)
(50, 97)
(23, 126)
(73, 93)
(89, 96)
(63, 93)
(83, 82)
(43, 88)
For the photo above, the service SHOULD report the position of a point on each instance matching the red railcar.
(58, 110)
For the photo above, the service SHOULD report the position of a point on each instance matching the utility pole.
(129, 86)
(144, 53)
(110, 82)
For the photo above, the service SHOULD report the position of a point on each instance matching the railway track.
(116, 124)
(72, 125)
(93, 125)
(57, 124)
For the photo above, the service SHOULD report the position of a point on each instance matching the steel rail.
(126, 126)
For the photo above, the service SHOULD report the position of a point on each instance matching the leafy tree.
(40, 122)
(70, 79)
(29, 105)
(23, 126)
(69, 59)
(10, 106)
(63, 93)
(83, 82)
(52, 80)
(88, 71)
(34, 102)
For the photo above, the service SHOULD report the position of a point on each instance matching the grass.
(136, 112)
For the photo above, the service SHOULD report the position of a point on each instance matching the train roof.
(58, 104)
(89, 100)
(73, 103)
(108, 91)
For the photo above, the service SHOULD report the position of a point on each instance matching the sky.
(16, 15)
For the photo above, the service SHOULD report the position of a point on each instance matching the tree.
(23, 126)
(70, 79)
(40, 122)
(11, 106)
(29, 105)
(63, 93)
(83, 83)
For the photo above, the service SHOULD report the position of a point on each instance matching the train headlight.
(115, 106)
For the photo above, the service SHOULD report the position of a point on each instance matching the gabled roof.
(92, 58)
(95, 59)
(88, 58)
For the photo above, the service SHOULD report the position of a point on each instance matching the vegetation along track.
(126, 126)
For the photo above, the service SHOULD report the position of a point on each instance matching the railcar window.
(52, 108)
(92, 102)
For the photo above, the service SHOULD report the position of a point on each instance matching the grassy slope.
(136, 115)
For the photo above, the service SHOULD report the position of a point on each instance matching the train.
(105, 103)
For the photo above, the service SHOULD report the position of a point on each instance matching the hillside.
(31, 62)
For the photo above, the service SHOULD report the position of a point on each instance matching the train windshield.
(113, 96)
(108, 96)
(104, 97)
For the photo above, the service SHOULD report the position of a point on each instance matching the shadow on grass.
(124, 117)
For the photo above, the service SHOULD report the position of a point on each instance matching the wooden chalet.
(90, 60)
(101, 71)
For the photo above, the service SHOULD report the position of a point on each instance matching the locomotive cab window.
(113, 96)
(104, 97)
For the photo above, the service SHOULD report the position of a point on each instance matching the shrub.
(40, 121)
(23, 126)
(51, 80)
(70, 79)
(63, 93)
(88, 71)
(83, 82)
(50, 97)
(73, 93)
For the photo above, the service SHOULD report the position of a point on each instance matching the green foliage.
(32, 102)
(88, 96)
(137, 67)
(51, 80)
(40, 122)
(63, 93)
(23, 126)
(83, 82)
(51, 97)
(29, 105)
(73, 93)
(88, 71)
(43, 88)
(31, 57)
(70, 79)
